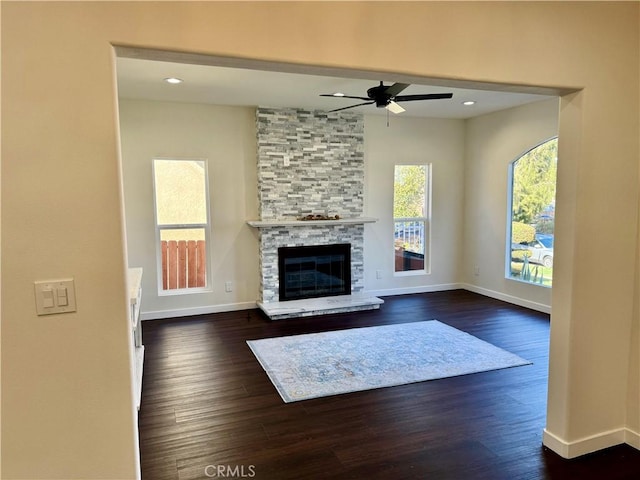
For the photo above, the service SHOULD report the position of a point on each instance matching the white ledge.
(310, 223)
(319, 306)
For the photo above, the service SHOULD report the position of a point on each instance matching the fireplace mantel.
(310, 223)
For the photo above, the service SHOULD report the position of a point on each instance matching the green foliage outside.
(519, 255)
(534, 182)
(534, 191)
(409, 187)
(522, 233)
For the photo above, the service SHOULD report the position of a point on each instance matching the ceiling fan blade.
(343, 96)
(425, 96)
(352, 106)
(395, 89)
(393, 107)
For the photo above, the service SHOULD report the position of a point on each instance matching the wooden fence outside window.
(183, 264)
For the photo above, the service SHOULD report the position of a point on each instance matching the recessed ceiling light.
(173, 80)
(469, 102)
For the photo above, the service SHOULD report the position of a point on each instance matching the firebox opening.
(314, 271)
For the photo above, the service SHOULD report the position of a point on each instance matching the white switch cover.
(55, 296)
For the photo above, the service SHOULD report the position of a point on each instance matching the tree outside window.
(411, 216)
(532, 214)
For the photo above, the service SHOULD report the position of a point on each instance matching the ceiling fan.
(386, 96)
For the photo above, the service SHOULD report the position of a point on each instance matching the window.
(531, 215)
(182, 225)
(411, 210)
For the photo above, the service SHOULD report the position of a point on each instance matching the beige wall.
(633, 392)
(492, 142)
(226, 138)
(66, 380)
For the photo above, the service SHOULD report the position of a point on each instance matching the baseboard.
(632, 438)
(186, 312)
(539, 307)
(232, 307)
(409, 290)
(586, 445)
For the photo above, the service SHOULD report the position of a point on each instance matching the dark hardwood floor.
(209, 410)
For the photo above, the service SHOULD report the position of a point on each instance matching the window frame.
(425, 220)
(509, 223)
(159, 228)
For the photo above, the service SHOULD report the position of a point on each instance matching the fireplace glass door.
(314, 271)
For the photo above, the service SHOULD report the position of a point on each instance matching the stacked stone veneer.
(309, 162)
(272, 238)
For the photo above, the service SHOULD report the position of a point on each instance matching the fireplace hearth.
(314, 271)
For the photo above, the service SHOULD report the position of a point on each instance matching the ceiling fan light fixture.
(338, 94)
(393, 107)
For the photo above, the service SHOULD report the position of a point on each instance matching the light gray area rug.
(330, 363)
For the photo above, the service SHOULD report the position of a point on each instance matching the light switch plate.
(50, 301)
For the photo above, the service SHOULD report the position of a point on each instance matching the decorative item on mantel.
(320, 217)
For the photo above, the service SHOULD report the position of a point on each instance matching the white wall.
(413, 141)
(492, 142)
(225, 137)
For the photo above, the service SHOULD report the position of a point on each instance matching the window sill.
(526, 282)
(411, 273)
(184, 291)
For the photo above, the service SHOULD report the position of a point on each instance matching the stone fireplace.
(309, 163)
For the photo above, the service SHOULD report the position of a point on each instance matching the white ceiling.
(223, 85)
